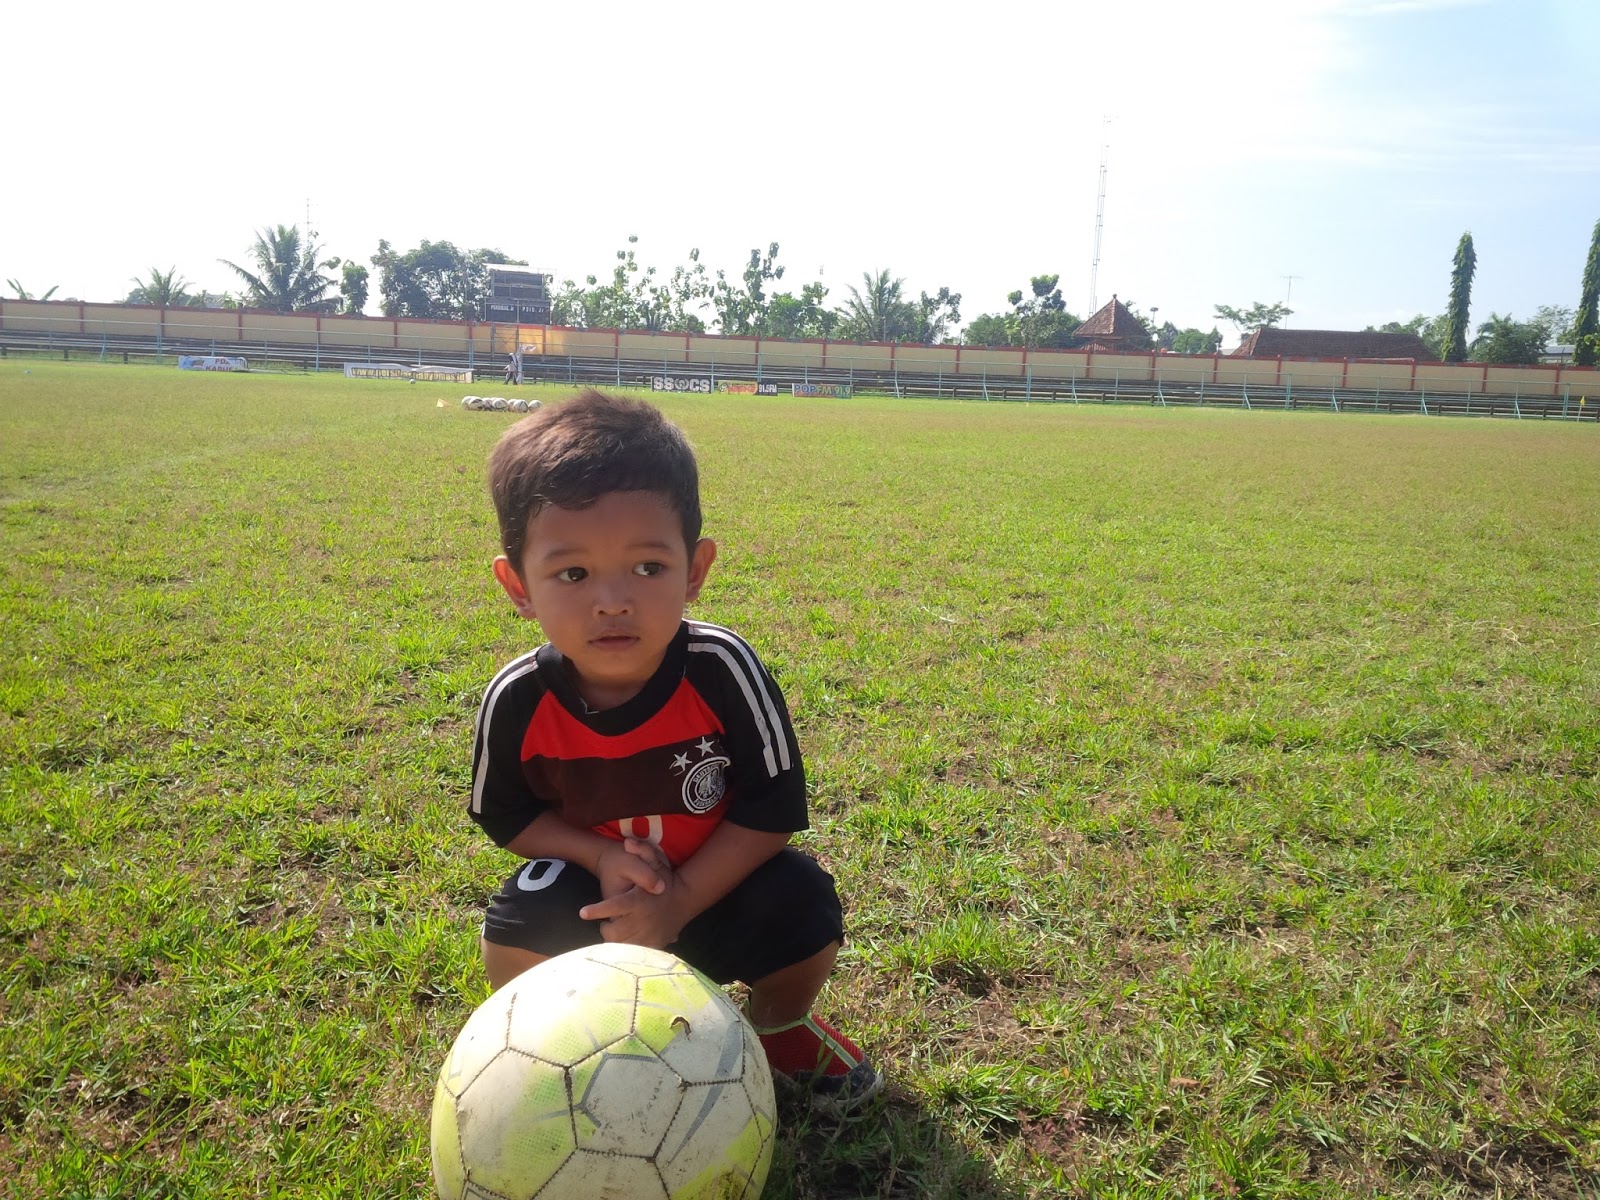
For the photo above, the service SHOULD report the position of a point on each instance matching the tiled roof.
(1112, 321)
(1332, 343)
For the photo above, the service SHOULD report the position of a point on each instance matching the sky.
(1324, 153)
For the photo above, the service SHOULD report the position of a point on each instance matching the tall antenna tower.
(1099, 216)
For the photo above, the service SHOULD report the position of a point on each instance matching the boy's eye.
(571, 575)
(649, 568)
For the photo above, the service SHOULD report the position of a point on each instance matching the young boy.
(643, 763)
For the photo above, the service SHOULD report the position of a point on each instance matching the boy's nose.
(613, 599)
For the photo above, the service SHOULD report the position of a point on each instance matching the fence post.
(1245, 388)
(1288, 393)
(1517, 406)
(1422, 398)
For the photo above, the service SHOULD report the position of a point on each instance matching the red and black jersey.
(708, 738)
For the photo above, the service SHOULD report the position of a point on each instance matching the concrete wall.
(384, 337)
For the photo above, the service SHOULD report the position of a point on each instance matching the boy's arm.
(726, 859)
(611, 862)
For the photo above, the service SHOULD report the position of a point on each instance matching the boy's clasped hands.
(640, 895)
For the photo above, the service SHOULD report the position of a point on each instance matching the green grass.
(1214, 794)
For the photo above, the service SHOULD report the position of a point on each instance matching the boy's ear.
(508, 578)
(705, 553)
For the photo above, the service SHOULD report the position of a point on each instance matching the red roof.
(1269, 342)
(1112, 323)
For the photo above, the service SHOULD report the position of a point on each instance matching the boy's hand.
(632, 864)
(639, 918)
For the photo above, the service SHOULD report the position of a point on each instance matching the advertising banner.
(210, 362)
(700, 384)
(749, 389)
(839, 390)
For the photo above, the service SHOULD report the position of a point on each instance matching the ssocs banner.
(681, 383)
(839, 390)
(210, 362)
(749, 389)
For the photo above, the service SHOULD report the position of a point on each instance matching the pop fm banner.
(210, 362)
(840, 390)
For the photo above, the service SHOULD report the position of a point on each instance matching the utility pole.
(1290, 291)
(1099, 214)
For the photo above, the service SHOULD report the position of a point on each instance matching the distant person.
(642, 762)
(511, 369)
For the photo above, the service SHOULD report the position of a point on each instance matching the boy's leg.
(787, 994)
(780, 931)
(534, 916)
(504, 963)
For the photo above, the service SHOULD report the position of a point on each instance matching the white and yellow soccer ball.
(610, 1071)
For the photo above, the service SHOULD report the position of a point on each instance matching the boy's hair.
(572, 454)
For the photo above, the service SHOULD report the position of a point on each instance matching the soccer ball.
(611, 1070)
(519, 405)
(498, 403)
(469, 402)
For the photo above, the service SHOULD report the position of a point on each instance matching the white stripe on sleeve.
(509, 674)
(740, 660)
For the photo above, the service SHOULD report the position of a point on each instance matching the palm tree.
(22, 292)
(287, 276)
(878, 315)
(169, 290)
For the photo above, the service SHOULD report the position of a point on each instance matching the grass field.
(1214, 795)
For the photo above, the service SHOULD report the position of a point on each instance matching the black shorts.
(781, 914)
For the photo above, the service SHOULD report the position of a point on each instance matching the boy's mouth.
(613, 641)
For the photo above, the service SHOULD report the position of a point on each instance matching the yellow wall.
(39, 316)
(1523, 381)
(201, 324)
(378, 335)
(291, 328)
(1237, 372)
(654, 347)
(848, 356)
(1135, 367)
(982, 360)
(1314, 373)
(722, 351)
(121, 320)
(1061, 364)
(1387, 377)
(934, 360)
(1183, 368)
(1453, 377)
(791, 354)
(371, 333)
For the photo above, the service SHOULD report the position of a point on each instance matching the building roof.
(1269, 342)
(1111, 323)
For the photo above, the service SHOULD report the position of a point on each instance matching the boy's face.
(608, 585)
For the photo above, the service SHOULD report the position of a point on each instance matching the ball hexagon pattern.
(611, 1071)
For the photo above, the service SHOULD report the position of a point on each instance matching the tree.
(988, 329)
(743, 311)
(1192, 341)
(435, 280)
(802, 316)
(1454, 333)
(935, 317)
(352, 288)
(634, 298)
(876, 314)
(288, 277)
(22, 292)
(1257, 316)
(1038, 317)
(1586, 326)
(170, 290)
(1507, 341)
